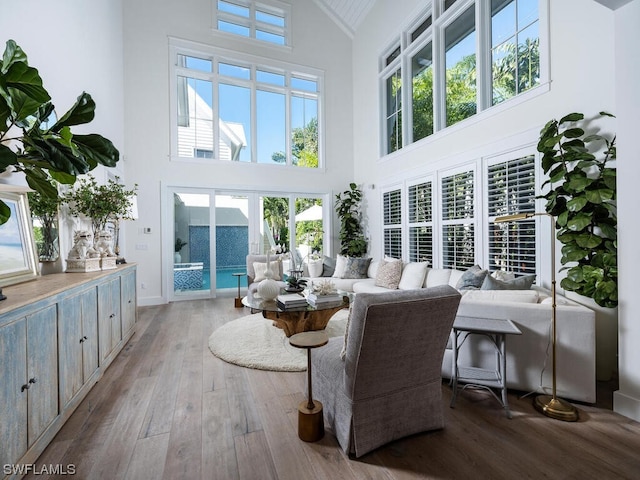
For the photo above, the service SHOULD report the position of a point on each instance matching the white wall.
(76, 46)
(627, 71)
(317, 43)
(581, 80)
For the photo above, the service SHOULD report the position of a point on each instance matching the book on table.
(330, 299)
(291, 300)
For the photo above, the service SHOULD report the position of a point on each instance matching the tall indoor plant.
(33, 141)
(349, 208)
(582, 197)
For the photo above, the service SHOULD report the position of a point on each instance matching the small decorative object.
(315, 265)
(295, 285)
(106, 253)
(44, 211)
(177, 258)
(83, 257)
(268, 289)
(324, 287)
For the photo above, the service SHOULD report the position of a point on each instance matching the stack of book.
(290, 300)
(330, 299)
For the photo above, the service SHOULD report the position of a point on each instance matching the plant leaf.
(576, 204)
(588, 240)
(599, 196)
(579, 222)
(7, 157)
(12, 54)
(5, 212)
(572, 117)
(83, 111)
(573, 133)
(98, 149)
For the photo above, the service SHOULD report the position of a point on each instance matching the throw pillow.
(503, 276)
(472, 278)
(519, 283)
(356, 267)
(261, 268)
(328, 266)
(388, 274)
(413, 275)
(341, 265)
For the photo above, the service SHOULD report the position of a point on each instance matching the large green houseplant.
(33, 141)
(349, 208)
(582, 197)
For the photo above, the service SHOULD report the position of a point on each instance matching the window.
(392, 223)
(458, 222)
(460, 65)
(420, 223)
(515, 41)
(454, 60)
(511, 189)
(262, 21)
(234, 110)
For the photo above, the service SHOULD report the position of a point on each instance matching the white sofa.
(528, 355)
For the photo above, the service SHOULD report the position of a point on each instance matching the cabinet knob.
(24, 387)
(112, 315)
(32, 380)
(83, 339)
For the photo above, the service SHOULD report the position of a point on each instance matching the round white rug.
(254, 342)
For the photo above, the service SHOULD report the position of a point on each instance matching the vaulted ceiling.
(348, 14)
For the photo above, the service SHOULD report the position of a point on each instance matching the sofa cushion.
(519, 296)
(368, 285)
(261, 268)
(518, 283)
(388, 274)
(472, 278)
(328, 266)
(357, 267)
(341, 266)
(413, 275)
(437, 276)
(455, 277)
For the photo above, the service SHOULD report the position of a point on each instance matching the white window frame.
(254, 63)
(394, 227)
(536, 207)
(441, 19)
(272, 7)
(477, 193)
(427, 223)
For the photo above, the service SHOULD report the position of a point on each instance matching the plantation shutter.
(392, 223)
(420, 223)
(458, 221)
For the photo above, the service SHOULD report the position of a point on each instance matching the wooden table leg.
(310, 417)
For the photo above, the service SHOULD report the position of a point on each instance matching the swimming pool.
(224, 279)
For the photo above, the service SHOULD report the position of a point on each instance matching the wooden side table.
(310, 419)
(238, 299)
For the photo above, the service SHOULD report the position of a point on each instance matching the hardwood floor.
(167, 408)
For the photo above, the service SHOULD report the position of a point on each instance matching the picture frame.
(18, 253)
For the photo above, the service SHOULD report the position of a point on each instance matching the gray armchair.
(389, 384)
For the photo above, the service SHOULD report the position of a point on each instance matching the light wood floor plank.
(167, 408)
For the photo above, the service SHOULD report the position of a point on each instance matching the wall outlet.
(142, 246)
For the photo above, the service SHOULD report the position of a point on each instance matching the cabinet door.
(109, 328)
(13, 397)
(89, 300)
(42, 370)
(128, 300)
(70, 346)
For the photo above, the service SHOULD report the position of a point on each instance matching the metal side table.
(496, 330)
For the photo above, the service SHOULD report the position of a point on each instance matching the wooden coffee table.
(296, 320)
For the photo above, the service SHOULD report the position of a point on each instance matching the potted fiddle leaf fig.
(582, 197)
(36, 143)
(348, 207)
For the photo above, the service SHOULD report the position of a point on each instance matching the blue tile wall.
(232, 244)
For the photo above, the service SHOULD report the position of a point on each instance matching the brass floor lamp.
(550, 405)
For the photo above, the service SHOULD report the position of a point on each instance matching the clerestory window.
(230, 108)
(455, 60)
(264, 21)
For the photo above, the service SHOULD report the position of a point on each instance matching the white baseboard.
(626, 405)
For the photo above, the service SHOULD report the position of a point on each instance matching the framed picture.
(18, 255)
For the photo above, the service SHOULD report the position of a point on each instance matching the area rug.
(254, 342)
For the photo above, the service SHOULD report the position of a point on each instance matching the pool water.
(224, 279)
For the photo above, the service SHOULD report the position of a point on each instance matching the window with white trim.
(264, 21)
(458, 220)
(511, 189)
(234, 109)
(420, 222)
(392, 223)
(458, 58)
